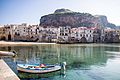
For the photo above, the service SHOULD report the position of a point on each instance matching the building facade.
(64, 34)
(61, 34)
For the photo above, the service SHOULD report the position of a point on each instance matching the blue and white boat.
(35, 68)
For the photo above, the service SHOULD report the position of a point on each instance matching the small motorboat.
(35, 68)
(5, 53)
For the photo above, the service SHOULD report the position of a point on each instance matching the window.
(81, 35)
(90, 36)
(77, 34)
(60, 34)
(86, 35)
(90, 31)
(15, 33)
(66, 34)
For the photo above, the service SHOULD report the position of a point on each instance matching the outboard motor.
(64, 65)
(15, 54)
(63, 68)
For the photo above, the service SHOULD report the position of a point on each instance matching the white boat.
(113, 52)
(37, 68)
(5, 53)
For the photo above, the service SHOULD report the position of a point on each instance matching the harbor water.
(84, 61)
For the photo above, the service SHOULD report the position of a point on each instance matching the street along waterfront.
(84, 61)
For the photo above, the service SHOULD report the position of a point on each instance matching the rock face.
(103, 22)
(66, 17)
(63, 11)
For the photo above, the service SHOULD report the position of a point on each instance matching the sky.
(30, 11)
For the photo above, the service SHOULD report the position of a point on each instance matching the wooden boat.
(37, 68)
(113, 52)
(5, 53)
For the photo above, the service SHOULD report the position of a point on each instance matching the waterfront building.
(21, 32)
(118, 34)
(97, 36)
(109, 35)
(52, 33)
(85, 34)
(7, 32)
(102, 36)
(33, 32)
(2, 33)
(39, 30)
(64, 34)
(82, 34)
(74, 34)
(10, 32)
(49, 34)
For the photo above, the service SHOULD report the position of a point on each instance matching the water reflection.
(77, 57)
(37, 76)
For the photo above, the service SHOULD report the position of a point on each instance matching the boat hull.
(41, 71)
(4, 53)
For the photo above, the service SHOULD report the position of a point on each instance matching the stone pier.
(6, 73)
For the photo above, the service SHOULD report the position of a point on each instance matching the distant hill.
(66, 17)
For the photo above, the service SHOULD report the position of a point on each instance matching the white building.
(21, 30)
(64, 33)
(32, 30)
(82, 34)
(9, 32)
(48, 34)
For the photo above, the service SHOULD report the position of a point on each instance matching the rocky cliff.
(66, 17)
(103, 22)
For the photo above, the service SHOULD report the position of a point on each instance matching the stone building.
(21, 32)
(7, 32)
(97, 36)
(74, 35)
(32, 32)
(85, 34)
(2, 33)
(64, 34)
(82, 34)
(52, 33)
(112, 35)
(39, 33)
(47, 34)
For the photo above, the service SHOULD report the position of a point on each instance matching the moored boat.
(5, 53)
(34, 68)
